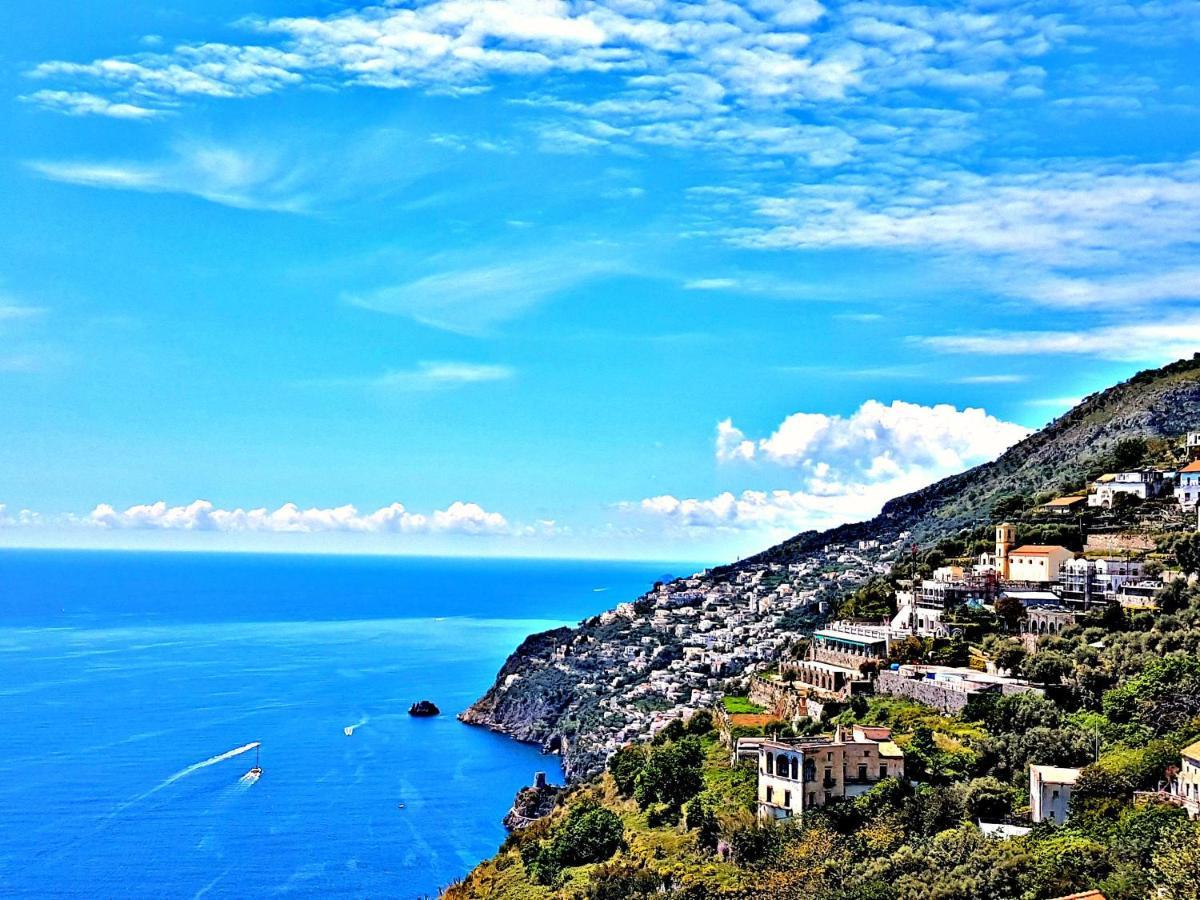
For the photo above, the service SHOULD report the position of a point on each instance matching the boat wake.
(184, 773)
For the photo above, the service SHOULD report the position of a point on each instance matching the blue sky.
(620, 278)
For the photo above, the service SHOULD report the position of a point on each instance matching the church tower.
(1005, 537)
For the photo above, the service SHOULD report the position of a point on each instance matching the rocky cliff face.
(583, 691)
(530, 694)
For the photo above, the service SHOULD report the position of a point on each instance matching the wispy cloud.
(474, 299)
(427, 376)
(298, 172)
(990, 379)
(229, 176)
(1158, 341)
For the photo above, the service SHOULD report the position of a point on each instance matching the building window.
(812, 799)
(770, 793)
(787, 799)
(795, 768)
(883, 770)
(862, 772)
(770, 763)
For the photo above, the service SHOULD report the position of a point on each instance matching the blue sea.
(128, 680)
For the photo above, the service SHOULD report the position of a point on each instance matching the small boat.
(256, 770)
(349, 730)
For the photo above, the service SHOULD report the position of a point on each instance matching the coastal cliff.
(621, 676)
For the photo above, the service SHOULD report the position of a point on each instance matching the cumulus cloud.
(847, 466)
(201, 515)
(877, 441)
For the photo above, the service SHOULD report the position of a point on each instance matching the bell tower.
(1005, 537)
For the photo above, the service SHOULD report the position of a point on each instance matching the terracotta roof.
(1065, 501)
(1191, 467)
(1086, 895)
(1037, 550)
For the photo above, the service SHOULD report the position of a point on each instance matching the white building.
(806, 773)
(1037, 562)
(1187, 492)
(1143, 484)
(1050, 790)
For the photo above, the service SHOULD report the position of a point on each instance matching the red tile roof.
(1191, 467)
(1037, 550)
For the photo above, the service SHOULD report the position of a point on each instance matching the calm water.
(121, 674)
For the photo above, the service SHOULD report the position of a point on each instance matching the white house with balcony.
(1142, 484)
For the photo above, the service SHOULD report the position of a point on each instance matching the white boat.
(256, 770)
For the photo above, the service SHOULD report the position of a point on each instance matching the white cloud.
(82, 103)
(848, 466)
(226, 175)
(711, 284)
(434, 376)
(201, 515)
(294, 172)
(711, 74)
(1158, 341)
(474, 299)
(777, 513)
(1060, 217)
(877, 441)
(1137, 289)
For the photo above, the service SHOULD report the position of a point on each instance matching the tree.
(1011, 611)
(673, 731)
(874, 600)
(1011, 656)
(1047, 667)
(700, 723)
(591, 834)
(698, 816)
(989, 799)
(671, 775)
(625, 766)
(1177, 865)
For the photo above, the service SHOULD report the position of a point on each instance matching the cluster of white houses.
(1143, 484)
(1053, 585)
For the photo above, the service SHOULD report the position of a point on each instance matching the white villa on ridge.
(799, 774)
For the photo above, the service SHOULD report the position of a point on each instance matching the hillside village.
(1048, 656)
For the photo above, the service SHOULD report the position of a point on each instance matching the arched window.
(770, 763)
(795, 768)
